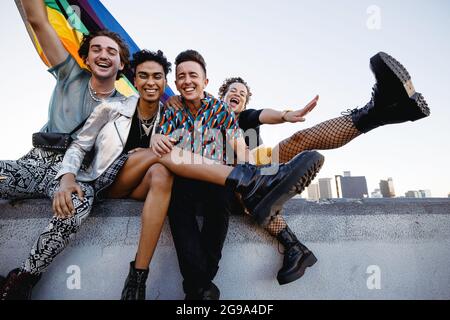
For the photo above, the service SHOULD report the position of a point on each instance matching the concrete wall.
(367, 249)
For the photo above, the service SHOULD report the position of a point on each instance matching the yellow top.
(262, 155)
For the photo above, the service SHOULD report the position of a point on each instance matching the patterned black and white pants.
(33, 176)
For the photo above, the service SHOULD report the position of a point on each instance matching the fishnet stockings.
(276, 224)
(330, 134)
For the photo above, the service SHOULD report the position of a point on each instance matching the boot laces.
(350, 112)
(374, 93)
(287, 250)
(290, 253)
(140, 277)
(279, 251)
(135, 287)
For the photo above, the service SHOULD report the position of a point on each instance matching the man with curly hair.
(76, 95)
(394, 100)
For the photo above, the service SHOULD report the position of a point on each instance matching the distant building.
(418, 194)
(325, 188)
(376, 194)
(387, 188)
(313, 191)
(347, 174)
(413, 194)
(425, 193)
(353, 187)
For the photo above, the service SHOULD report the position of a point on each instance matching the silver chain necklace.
(94, 93)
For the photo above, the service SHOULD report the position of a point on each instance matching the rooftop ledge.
(367, 249)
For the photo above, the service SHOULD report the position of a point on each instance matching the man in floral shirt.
(202, 126)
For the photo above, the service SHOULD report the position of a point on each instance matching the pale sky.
(288, 51)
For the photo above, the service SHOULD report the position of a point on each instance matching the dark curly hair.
(124, 52)
(226, 86)
(147, 55)
(191, 55)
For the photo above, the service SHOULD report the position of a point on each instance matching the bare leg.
(330, 134)
(155, 188)
(186, 164)
(142, 177)
(193, 166)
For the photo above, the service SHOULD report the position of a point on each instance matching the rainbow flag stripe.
(72, 19)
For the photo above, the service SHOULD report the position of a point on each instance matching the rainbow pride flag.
(72, 19)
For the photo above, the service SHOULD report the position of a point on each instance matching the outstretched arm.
(36, 14)
(270, 116)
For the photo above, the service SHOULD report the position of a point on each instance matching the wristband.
(283, 115)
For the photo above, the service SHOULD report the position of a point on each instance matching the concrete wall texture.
(367, 249)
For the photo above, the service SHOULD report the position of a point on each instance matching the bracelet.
(283, 115)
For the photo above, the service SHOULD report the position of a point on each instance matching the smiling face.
(191, 82)
(150, 81)
(236, 97)
(103, 58)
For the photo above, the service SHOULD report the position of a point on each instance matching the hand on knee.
(69, 198)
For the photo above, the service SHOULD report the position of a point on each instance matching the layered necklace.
(94, 94)
(146, 124)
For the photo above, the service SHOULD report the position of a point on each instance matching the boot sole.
(383, 63)
(388, 65)
(307, 167)
(309, 262)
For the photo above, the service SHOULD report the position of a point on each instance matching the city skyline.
(315, 190)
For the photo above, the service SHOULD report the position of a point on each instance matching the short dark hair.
(191, 55)
(124, 52)
(147, 55)
(226, 86)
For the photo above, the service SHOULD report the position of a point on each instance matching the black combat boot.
(264, 195)
(394, 99)
(211, 293)
(134, 288)
(18, 285)
(297, 257)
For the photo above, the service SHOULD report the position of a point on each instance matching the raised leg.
(330, 134)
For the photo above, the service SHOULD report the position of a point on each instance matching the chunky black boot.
(18, 285)
(134, 288)
(264, 195)
(297, 257)
(394, 99)
(211, 293)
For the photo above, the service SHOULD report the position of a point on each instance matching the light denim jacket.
(106, 129)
